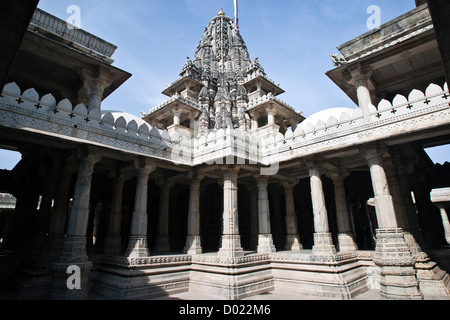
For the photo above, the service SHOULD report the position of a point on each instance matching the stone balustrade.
(59, 27)
(122, 131)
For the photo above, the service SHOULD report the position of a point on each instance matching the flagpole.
(236, 20)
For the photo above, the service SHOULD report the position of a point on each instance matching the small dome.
(128, 116)
(221, 13)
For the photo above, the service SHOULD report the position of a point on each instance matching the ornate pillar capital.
(164, 184)
(359, 75)
(374, 153)
(95, 81)
(360, 79)
(338, 174)
(94, 84)
(313, 167)
(195, 176)
(290, 183)
(262, 182)
(88, 156)
(230, 169)
(144, 166)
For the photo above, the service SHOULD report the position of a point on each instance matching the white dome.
(324, 115)
(128, 116)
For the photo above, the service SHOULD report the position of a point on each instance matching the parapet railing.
(59, 27)
(125, 132)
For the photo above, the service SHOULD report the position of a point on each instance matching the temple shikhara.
(225, 190)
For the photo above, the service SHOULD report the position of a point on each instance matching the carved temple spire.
(222, 60)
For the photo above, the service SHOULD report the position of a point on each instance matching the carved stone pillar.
(254, 217)
(94, 84)
(271, 117)
(255, 125)
(345, 234)
(113, 242)
(292, 237)
(74, 249)
(397, 274)
(231, 240)
(162, 240)
(176, 117)
(137, 245)
(411, 221)
(445, 221)
(56, 235)
(323, 242)
(193, 241)
(265, 240)
(401, 207)
(41, 227)
(384, 204)
(360, 79)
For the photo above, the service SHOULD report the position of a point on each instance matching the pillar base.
(347, 242)
(433, 281)
(162, 243)
(413, 245)
(137, 247)
(193, 246)
(231, 246)
(397, 274)
(73, 254)
(293, 242)
(265, 244)
(60, 290)
(74, 250)
(323, 244)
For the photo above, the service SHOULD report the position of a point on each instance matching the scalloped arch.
(65, 105)
(108, 118)
(121, 122)
(309, 128)
(299, 132)
(165, 135)
(416, 95)
(80, 110)
(345, 117)
(372, 109)
(95, 114)
(155, 133)
(433, 89)
(399, 100)
(12, 89)
(144, 129)
(279, 137)
(332, 121)
(132, 126)
(289, 135)
(48, 100)
(384, 105)
(31, 95)
(321, 125)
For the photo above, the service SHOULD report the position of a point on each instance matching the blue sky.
(292, 38)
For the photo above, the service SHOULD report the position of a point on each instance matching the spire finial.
(221, 13)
